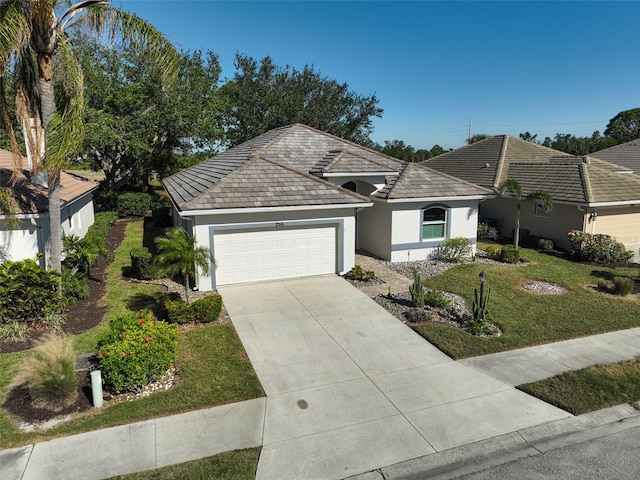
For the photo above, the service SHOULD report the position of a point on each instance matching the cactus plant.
(417, 290)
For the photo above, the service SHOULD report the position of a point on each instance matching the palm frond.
(66, 131)
(14, 31)
(8, 209)
(542, 197)
(511, 187)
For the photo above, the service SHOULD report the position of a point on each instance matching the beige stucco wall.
(622, 223)
(555, 226)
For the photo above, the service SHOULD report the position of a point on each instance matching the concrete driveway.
(351, 389)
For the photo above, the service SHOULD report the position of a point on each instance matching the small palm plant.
(178, 255)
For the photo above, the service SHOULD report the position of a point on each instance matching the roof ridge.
(501, 161)
(399, 178)
(446, 175)
(586, 182)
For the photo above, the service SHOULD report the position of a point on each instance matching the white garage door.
(274, 253)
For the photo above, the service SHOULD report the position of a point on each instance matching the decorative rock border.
(543, 288)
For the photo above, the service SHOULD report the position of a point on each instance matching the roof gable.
(348, 162)
(418, 181)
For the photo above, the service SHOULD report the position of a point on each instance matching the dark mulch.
(84, 314)
(18, 403)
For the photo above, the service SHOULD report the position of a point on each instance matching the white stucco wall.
(32, 234)
(205, 227)
(374, 230)
(406, 237)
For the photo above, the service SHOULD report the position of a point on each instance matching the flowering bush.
(597, 248)
(136, 350)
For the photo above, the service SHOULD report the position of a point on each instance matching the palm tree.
(35, 42)
(513, 188)
(178, 255)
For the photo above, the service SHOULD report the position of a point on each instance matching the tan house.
(589, 194)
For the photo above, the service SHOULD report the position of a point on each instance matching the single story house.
(589, 194)
(297, 201)
(31, 236)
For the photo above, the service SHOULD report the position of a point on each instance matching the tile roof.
(32, 198)
(626, 154)
(274, 170)
(568, 178)
(418, 181)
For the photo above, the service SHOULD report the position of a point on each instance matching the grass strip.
(233, 465)
(591, 388)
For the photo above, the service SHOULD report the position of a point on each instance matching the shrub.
(74, 286)
(136, 350)
(509, 254)
(487, 232)
(454, 250)
(359, 273)
(53, 321)
(50, 374)
(141, 263)
(178, 311)
(207, 309)
(12, 331)
(597, 248)
(494, 251)
(417, 290)
(435, 299)
(623, 286)
(161, 211)
(27, 292)
(133, 204)
(545, 244)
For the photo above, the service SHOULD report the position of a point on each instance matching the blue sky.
(543, 67)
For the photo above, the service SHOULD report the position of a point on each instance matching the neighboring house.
(588, 193)
(626, 154)
(31, 236)
(296, 201)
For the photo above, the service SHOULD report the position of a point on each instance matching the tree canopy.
(625, 126)
(262, 96)
(133, 127)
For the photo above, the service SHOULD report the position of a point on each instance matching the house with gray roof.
(589, 193)
(297, 201)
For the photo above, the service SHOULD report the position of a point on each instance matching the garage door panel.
(269, 254)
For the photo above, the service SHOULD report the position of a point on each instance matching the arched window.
(434, 223)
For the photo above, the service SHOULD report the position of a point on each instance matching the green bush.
(359, 273)
(141, 263)
(487, 232)
(136, 350)
(545, 244)
(161, 211)
(13, 331)
(494, 251)
(133, 204)
(74, 286)
(207, 309)
(623, 286)
(454, 250)
(597, 248)
(27, 292)
(204, 310)
(435, 299)
(178, 312)
(509, 254)
(51, 373)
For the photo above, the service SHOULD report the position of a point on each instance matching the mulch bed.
(84, 314)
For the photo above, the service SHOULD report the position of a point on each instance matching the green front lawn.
(526, 318)
(213, 366)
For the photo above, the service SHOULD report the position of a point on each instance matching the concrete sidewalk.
(351, 391)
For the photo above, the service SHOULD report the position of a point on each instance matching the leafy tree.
(477, 138)
(568, 143)
(527, 137)
(263, 96)
(34, 40)
(133, 127)
(513, 189)
(625, 126)
(436, 150)
(178, 255)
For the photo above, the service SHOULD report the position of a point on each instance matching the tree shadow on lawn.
(152, 302)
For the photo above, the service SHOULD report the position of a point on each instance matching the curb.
(485, 454)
